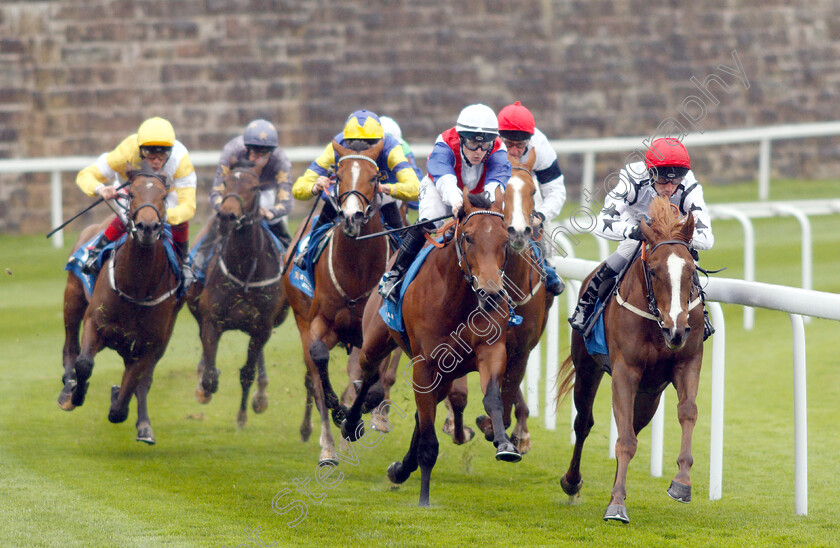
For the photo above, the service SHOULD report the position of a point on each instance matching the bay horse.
(455, 315)
(132, 308)
(654, 333)
(242, 290)
(345, 276)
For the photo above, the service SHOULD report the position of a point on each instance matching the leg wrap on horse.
(411, 245)
(586, 305)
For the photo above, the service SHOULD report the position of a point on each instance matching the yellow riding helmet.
(363, 124)
(155, 132)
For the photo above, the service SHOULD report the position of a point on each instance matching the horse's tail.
(565, 380)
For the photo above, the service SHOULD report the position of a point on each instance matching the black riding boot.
(183, 251)
(412, 243)
(328, 215)
(93, 253)
(586, 305)
(391, 215)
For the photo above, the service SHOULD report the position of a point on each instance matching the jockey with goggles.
(258, 142)
(469, 155)
(666, 171)
(362, 130)
(155, 145)
(520, 136)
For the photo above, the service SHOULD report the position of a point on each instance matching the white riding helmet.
(391, 127)
(477, 120)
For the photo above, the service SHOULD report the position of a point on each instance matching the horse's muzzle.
(518, 239)
(351, 225)
(148, 232)
(675, 337)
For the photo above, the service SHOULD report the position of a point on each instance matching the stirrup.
(388, 286)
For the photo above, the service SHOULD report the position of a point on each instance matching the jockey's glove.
(634, 233)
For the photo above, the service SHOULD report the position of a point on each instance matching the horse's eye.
(467, 239)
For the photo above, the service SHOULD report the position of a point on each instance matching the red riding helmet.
(516, 122)
(667, 157)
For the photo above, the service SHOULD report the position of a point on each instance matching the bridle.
(371, 206)
(463, 264)
(248, 217)
(533, 214)
(131, 217)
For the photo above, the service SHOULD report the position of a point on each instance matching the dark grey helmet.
(260, 133)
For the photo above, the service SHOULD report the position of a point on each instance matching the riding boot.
(586, 305)
(90, 266)
(183, 251)
(391, 215)
(411, 244)
(328, 215)
(708, 328)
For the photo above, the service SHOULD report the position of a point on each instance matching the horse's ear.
(687, 229)
(499, 204)
(375, 150)
(532, 159)
(342, 151)
(260, 163)
(468, 207)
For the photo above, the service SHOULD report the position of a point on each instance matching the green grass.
(74, 479)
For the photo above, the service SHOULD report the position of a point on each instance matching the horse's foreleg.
(144, 425)
(306, 424)
(398, 472)
(321, 340)
(247, 373)
(208, 382)
(427, 442)
(83, 367)
(135, 370)
(328, 453)
(456, 401)
(260, 402)
(74, 310)
(625, 383)
(686, 381)
(521, 437)
(491, 367)
(354, 377)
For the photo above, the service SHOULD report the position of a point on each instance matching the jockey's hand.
(694, 254)
(634, 233)
(322, 184)
(267, 214)
(537, 221)
(386, 189)
(107, 191)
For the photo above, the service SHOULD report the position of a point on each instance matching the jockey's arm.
(302, 189)
(617, 218)
(106, 168)
(694, 202)
(185, 191)
(550, 178)
(497, 172)
(407, 186)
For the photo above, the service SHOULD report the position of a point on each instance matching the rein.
(351, 303)
(654, 312)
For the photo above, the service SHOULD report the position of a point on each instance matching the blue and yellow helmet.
(363, 124)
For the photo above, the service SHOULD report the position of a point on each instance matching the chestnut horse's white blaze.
(518, 220)
(675, 270)
(353, 204)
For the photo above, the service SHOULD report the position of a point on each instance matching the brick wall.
(76, 76)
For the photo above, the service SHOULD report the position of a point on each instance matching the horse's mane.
(665, 220)
(357, 145)
(244, 163)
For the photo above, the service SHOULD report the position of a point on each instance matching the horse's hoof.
(260, 403)
(117, 416)
(447, 427)
(680, 492)
(508, 453)
(380, 423)
(328, 461)
(338, 416)
(115, 393)
(146, 435)
(394, 473)
(241, 419)
(522, 445)
(467, 434)
(568, 488)
(305, 432)
(352, 432)
(616, 512)
(77, 398)
(201, 396)
(66, 395)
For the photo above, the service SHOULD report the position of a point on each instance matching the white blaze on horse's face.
(675, 269)
(353, 204)
(517, 221)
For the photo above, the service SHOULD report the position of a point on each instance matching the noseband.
(131, 220)
(247, 218)
(459, 251)
(371, 206)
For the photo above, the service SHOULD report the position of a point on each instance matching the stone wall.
(76, 76)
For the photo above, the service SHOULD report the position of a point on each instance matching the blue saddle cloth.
(201, 272)
(78, 258)
(596, 342)
(303, 279)
(391, 312)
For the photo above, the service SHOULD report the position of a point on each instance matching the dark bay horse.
(654, 332)
(455, 315)
(132, 309)
(242, 290)
(346, 274)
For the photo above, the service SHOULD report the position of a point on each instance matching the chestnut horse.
(647, 351)
(242, 290)
(132, 309)
(346, 274)
(455, 315)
